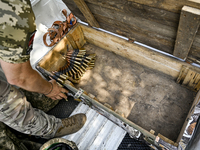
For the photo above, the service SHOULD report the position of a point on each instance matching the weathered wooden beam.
(77, 37)
(87, 13)
(153, 23)
(136, 53)
(188, 26)
(170, 5)
(71, 40)
(146, 31)
(196, 101)
(135, 9)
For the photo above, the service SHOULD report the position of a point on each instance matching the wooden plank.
(137, 22)
(188, 26)
(137, 28)
(182, 74)
(87, 13)
(78, 37)
(170, 5)
(194, 81)
(194, 54)
(75, 10)
(71, 40)
(153, 11)
(157, 40)
(137, 53)
(135, 9)
(197, 87)
(167, 140)
(197, 80)
(191, 84)
(133, 52)
(188, 77)
(196, 101)
(153, 40)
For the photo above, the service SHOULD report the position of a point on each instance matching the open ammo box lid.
(158, 87)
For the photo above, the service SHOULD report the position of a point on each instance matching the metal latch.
(78, 94)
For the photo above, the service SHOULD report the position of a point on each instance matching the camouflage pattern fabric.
(30, 145)
(40, 101)
(17, 113)
(8, 140)
(16, 26)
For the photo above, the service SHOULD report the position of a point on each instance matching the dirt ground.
(147, 97)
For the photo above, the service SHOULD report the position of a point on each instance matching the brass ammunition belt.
(77, 63)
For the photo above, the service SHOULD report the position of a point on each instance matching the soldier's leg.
(8, 140)
(17, 112)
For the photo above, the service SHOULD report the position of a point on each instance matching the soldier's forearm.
(22, 75)
(35, 83)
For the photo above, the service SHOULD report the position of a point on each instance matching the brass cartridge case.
(86, 61)
(59, 79)
(79, 55)
(83, 67)
(81, 71)
(75, 65)
(78, 63)
(85, 64)
(76, 69)
(70, 74)
(82, 50)
(63, 77)
(73, 71)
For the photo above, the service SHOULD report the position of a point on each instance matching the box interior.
(145, 94)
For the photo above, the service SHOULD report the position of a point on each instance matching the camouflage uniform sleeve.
(17, 23)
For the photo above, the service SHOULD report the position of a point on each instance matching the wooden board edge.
(87, 13)
(137, 53)
(187, 29)
(191, 111)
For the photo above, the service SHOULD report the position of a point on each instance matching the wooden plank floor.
(147, 97)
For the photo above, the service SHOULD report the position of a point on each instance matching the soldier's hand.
(57, 92)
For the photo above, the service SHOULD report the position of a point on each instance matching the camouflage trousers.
(18, 113)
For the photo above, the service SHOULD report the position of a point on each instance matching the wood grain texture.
(71, 40)
(182, 74)
(139, 29)
(87, 13)
(75, 10)
(188, 26)
(170, 5)
(196, 101)
(136, 34)
(194, 54)
(189, 78)
(134, 52)
(154, 23)
(77, 36)
(194, 81)
(138, 54)
(135, 9)
(190, 75)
